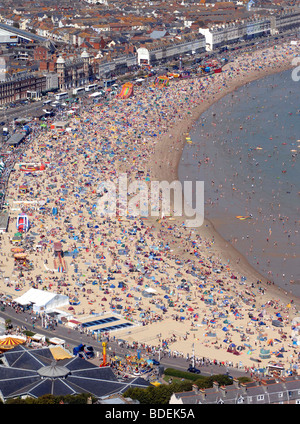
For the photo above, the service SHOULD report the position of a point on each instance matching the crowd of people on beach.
(108, 262)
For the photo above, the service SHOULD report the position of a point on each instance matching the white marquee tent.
(42, 300)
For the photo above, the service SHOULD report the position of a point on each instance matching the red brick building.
(16, 88)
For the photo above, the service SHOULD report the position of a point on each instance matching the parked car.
(155, 362)
(193, 370)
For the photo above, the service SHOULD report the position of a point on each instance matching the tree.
(17, 401)
(157, 395)
(81, 398)
(8, 323)
(222, 379)
(46, 400)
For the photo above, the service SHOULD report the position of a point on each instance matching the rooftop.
(33, 372)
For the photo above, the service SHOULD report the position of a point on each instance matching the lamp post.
(193, 360)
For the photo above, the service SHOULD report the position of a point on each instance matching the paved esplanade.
(74, 338)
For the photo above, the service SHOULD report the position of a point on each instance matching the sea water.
(246, 149)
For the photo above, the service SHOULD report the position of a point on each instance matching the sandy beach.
(207, 298)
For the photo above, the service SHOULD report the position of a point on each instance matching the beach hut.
(17, 238)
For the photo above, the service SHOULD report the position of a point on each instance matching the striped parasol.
(9, 342)
(17, 249)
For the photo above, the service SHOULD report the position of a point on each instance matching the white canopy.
(96, 94)
(57, 341)
(42, 300)
(150, 290)
(38, 337)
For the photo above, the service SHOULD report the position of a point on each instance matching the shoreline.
(171, 174)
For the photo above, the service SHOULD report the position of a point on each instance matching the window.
(280, 395)
(260, 397)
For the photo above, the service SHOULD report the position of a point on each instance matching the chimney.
(202, 394)
(236, 383)
(244, 388)
(216, 386)
(264, 385)
(223, 390)
(195, 388)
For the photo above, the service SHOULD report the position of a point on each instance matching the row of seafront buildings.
(208, 39)
(279, 390)
(215, 36)
(222, 34)
(66, 73)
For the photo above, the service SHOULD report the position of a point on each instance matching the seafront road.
(74, 338)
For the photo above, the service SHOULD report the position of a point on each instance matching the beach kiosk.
(59, 126)
(22, 223)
